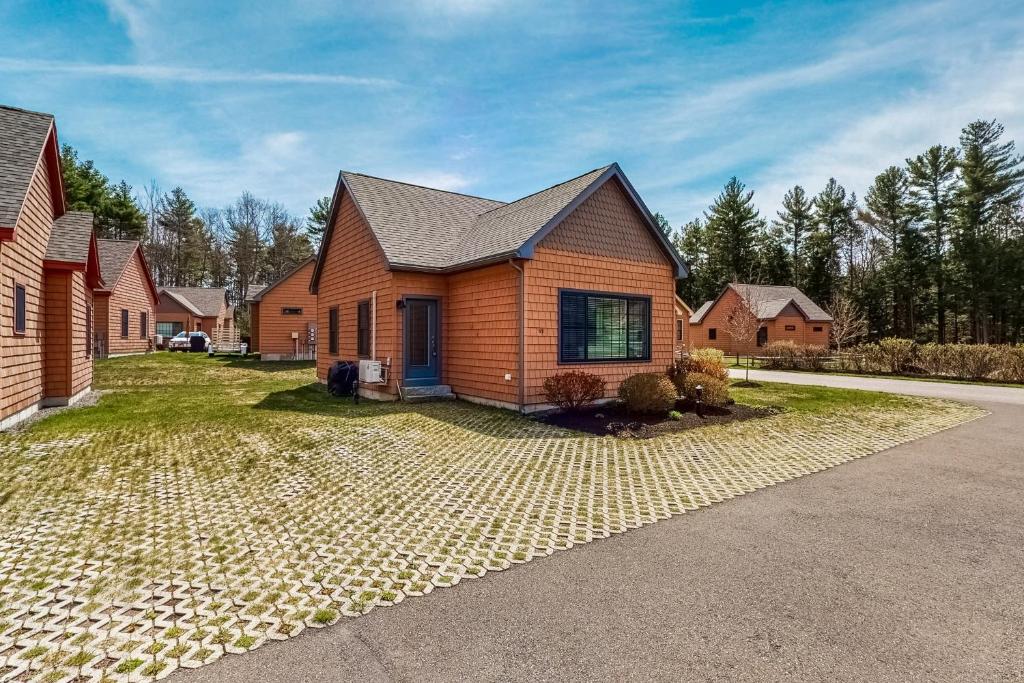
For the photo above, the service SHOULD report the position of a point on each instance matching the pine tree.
(121, 218)
(891, 214)
(796, 221)
(663, 225)
(691, 243)
(181, 227)
(834, 216)
(992, 175)
(932, 186)
(732, 223)
(774, 265)
(316, 222)
(85, 188)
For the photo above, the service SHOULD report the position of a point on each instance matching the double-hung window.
(333, 323)
(363, 329)
(19, 309)
(598, 327)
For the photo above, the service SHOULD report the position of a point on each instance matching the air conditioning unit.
(371, 372)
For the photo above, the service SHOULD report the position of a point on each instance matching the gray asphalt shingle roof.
(770, 300)
(70, 238)
(202, 301)
(22, 137)
(114, 256)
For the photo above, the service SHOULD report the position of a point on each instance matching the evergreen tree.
(85, 188)
(316, 222)
(891, 214)
(774, 263)
(932, 185)
(796, 221)
(732, 223)
(834, 216)
(663, 225)
(121, 218)
(289, 246)
(691, 243)
(991, 176)
(183, 231)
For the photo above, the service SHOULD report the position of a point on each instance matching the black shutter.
(19, 309)
(124, 322)
(332, 339)
(573, 327)
(363, 328)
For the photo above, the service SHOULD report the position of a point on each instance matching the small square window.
(818, 328)
(712, 333)
(19, 309)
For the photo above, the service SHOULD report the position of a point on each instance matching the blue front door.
(422, 360)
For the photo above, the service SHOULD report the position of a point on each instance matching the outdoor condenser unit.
(371, 372)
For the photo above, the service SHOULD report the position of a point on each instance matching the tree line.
(934, 252)
(251, 242)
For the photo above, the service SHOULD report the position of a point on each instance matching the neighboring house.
(683, 313)
(492, 298)
(193, 309)
(49, 267)
(786, 314)
(124, 306)
(282, 316)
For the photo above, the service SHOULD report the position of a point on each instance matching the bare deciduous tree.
(741, 319)
(848, 322)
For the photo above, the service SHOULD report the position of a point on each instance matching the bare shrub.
(897, 355)
(573, 389)
(780, 355)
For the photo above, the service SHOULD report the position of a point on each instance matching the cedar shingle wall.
(81, 360)
(131, 292)
(603, 246)
(57, 343)
(482, 341)
(405, 284)
(275, 328)
(21, 356)
(354, 268)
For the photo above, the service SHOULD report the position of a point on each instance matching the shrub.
(648, 392)
(934, 358)
(574, 389)
(780, 355)
(708, 362)
(897, 355)
(812, 356)
(981, 360)
(715, 391)
(1013, 364)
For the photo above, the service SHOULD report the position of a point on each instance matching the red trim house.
(49, 267)
(124, 306)
(455, 294)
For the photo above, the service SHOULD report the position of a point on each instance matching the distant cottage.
(785, 313)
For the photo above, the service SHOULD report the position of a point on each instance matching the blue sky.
(503, 97)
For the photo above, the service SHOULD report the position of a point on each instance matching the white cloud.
(157, 73)
(439, 180)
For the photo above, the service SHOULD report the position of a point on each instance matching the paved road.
(972, 393)
(904, 566)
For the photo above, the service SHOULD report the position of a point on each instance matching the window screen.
(363, 328)
(332, 340)
(604, 327)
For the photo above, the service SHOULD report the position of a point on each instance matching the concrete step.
(437, 392)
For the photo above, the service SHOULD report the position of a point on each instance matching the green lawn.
(208, 505)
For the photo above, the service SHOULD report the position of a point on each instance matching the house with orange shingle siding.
(49, 267)
(489, 299)
(785, 314)
(193, 309)
(124, 306)
(282, 316)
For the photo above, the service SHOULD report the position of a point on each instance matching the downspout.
(521, 301)
(373, 325)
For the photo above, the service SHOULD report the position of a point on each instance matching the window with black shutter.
(124, 322)
(332, 337)
(88, 330)
(19, 309)
(363, 328)
(712, 334)
(596, 327)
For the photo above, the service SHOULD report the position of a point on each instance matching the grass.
(243, 479)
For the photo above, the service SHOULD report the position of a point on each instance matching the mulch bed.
(612, 419)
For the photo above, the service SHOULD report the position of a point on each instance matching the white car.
(183, 341)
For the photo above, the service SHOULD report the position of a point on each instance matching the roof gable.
(26, 137)
(263, 291)
(206, 302)
(114, 257)
(420, 228)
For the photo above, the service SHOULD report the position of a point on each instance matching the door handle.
(433, 346)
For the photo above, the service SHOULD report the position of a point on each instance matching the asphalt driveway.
(902, 566)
